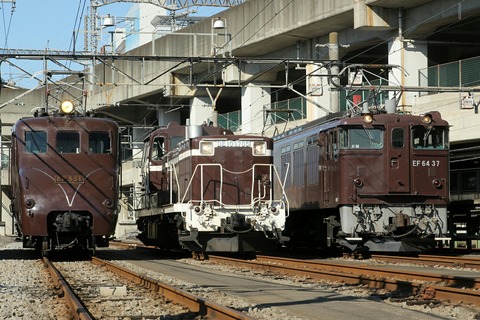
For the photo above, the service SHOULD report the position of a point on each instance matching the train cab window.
(334, 136)
(35, 141)
(68, 142)
(157, 149)
(175, 140)
(99, 142)
(429, 138)
(5, 161)
(361, 138)
(398, 138)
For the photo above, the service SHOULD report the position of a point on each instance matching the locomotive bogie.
(366, 222)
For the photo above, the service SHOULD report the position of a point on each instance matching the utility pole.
(333, 56)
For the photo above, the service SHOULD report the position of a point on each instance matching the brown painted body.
(236, 189)
(57, 181)
(210, 190)
(329, 173)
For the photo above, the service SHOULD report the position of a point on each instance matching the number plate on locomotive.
(69, 179)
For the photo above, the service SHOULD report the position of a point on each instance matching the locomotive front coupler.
(277, 235)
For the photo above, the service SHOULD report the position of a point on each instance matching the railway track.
(420, 284)
(433, 260)
(94, 291)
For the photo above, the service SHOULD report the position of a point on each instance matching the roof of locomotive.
(174, 128)
(344, 119)
(38, 122)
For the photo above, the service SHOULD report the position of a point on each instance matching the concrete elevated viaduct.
(411, 34)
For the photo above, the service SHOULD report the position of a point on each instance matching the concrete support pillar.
(255, 99)
(318, 92)
(333, 56)
(138, 135)
(411, 56)
(322, 96)
(200, 110)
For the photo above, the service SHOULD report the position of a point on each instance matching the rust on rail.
(196, 304)
(78, 310)
(391, 280)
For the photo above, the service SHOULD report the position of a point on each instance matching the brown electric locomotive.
(372, 181)
(64, 174)
(209, 190)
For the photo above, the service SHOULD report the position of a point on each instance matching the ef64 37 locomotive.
(210, 191)
(374, 182)
(64, 173)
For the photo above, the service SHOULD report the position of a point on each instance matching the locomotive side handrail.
(172, 168)
(284, 183)
(201, 180)
(221, 169)
(252, 199)
(284, 194)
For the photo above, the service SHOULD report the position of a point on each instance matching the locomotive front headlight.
(206, 147)
(67, 107)
(259, 148)
(426, 118)
(367, 118)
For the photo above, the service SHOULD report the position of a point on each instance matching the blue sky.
(38, 24)
(41, 24)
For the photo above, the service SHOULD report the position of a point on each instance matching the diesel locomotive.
(207, 190)
(65, 180)
(374, 181)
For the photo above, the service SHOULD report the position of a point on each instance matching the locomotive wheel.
(44, 248)
(199, 255)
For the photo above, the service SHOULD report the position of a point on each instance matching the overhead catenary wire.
(256, 30)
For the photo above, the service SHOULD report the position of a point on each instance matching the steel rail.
(373, 271)
(78, 310)
(432, 260)
(196, 304)
(392, 280)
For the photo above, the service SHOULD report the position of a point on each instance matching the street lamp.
(108, 21)
(219, 24)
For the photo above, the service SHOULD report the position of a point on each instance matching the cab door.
(154, 163)
(398, 168)
(328, 182)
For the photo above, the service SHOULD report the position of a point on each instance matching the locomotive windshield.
(35, 141)
(68, 142)
(429, 138)
(157, 149)
(99, 142)
(361, 138)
